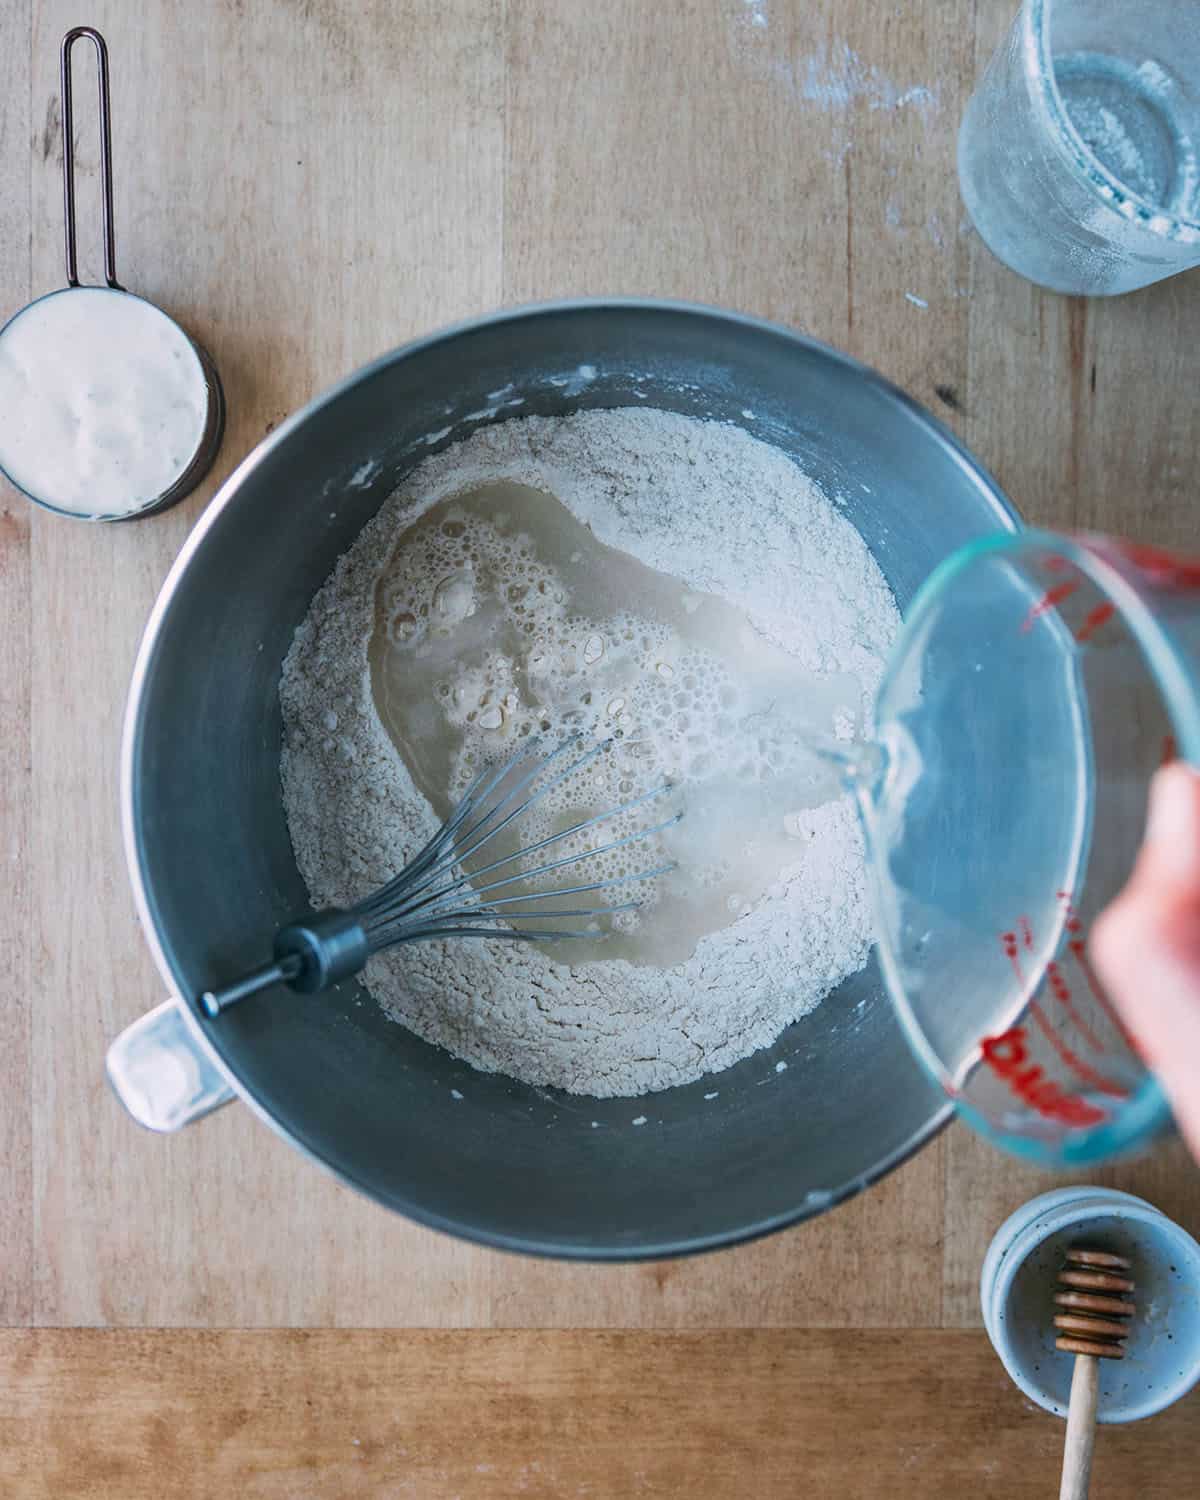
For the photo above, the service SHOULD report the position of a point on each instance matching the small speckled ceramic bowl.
(1017, 1287)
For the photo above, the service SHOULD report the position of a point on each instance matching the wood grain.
(285, 1416)
(16, 821)
(304, 185)
(801, 169)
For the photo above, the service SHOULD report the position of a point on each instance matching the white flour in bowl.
(719, 514)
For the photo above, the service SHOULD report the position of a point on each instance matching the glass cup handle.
(161, 1074)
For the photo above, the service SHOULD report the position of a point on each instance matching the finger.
(1170, 854)
(1146, 946)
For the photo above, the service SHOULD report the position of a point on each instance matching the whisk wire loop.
(437, 894)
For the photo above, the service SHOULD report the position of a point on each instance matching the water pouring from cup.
(1038, 684)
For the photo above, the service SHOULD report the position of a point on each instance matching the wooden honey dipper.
(1095, 1308)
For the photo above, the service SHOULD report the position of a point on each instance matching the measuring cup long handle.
(68, 131)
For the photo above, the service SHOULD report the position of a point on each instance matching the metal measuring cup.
(76, 363)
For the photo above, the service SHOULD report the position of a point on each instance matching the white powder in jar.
(723, 514)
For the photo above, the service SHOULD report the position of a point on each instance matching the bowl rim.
(207, 1040)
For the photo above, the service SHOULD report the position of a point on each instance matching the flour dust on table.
(669, 585)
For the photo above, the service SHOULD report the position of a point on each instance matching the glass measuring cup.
(1038, 683)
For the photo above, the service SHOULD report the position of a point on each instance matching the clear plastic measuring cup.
(1037, 684)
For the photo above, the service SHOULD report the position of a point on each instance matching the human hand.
(1146, 945)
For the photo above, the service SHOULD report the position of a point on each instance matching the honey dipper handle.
(1081, 1429)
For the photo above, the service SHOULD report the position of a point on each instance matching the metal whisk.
(434, 896)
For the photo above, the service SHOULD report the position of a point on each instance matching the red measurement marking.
(1161, 568)
(1071, 1059)
(1095, 618)
(1009, 940)
(1008, 1057)
(1077, 947)
(1078, 951)
(1061, 991)
(1170, 750)
(1047, 602)
(1056, 563)
(1026, 933)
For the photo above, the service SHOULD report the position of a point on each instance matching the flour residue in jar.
(501, 619)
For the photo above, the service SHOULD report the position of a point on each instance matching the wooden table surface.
(305, 183)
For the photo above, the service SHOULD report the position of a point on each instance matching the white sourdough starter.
(631, 573)
(103, 401)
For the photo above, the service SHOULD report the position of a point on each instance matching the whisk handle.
(309, 956)
(330, 945)
(213, 1002)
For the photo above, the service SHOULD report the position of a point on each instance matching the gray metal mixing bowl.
(213, 870)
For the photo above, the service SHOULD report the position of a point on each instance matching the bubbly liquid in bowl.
(501, 618)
